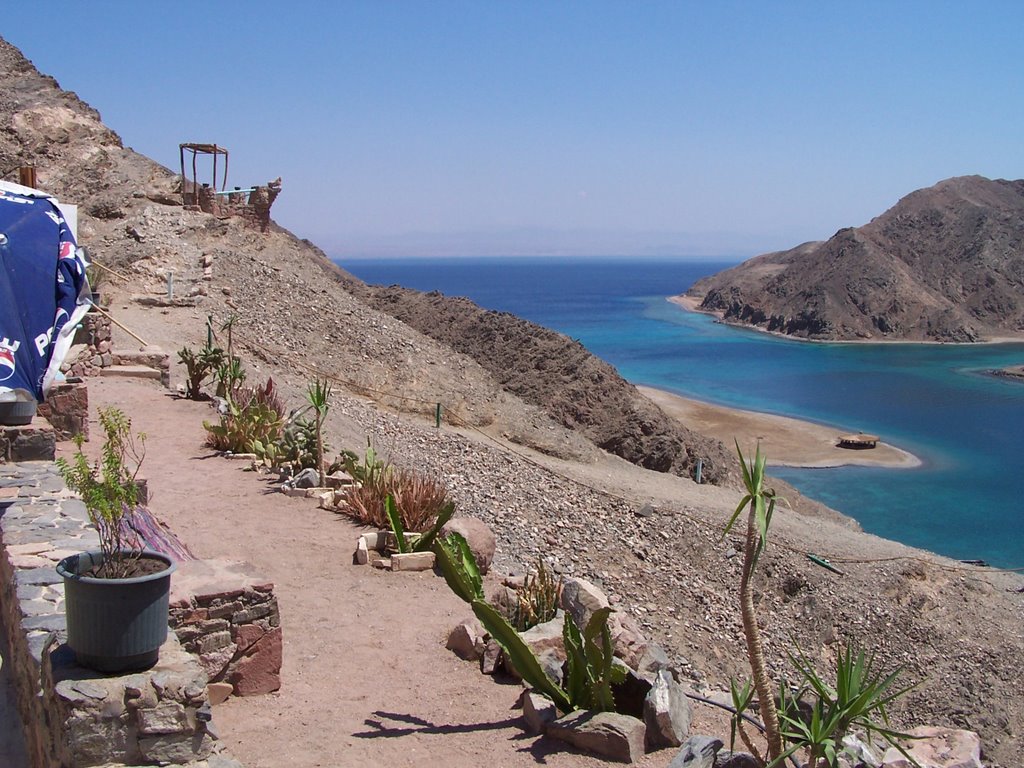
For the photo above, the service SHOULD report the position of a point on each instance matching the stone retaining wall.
(72, 716)
(229, 619)
(32, 442)
(67, 410)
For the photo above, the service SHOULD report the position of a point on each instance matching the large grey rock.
(307, 478)
(667, 713)
(581, 599)
(938, 748)
(628, 639)
(652, 661)
(478, 536)
(697, 752)
(609, 734)
(538, 711)
(545, 640)
(858, 752)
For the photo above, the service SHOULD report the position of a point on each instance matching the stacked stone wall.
(229, 619)
(67, 410)
(32, 442)
(252, 207)
(92, 348)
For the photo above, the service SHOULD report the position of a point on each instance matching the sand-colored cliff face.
(944, 264)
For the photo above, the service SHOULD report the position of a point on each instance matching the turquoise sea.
(933, 400)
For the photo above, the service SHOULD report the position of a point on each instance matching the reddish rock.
(247, 635)
(935, 747)
(259, 671)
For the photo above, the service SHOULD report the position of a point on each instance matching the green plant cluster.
(109, 490)
(198, 366)
(590, 667)
(297, 448)
(415, 542)
(253, 423)
(418, 497)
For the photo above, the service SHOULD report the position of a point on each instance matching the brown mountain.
(945, 263)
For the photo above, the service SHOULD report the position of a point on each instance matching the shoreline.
(787, 442)
(692, 304)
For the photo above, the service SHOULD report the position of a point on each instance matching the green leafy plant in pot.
(116, 598)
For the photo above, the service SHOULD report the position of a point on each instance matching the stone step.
(131, 371)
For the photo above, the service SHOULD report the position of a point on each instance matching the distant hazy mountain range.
(945, 263)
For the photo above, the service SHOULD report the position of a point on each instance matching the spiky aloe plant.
(760, 504)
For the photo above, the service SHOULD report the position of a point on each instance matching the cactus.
(459, 568)
(521, 655)
(591, 670)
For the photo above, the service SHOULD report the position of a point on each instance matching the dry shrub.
(537, 600)
(418, 496)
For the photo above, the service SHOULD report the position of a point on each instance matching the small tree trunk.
(763, 686)
(320, 449)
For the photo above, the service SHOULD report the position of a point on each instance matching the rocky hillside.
(944, 264)
(556, 373)
(293, 303)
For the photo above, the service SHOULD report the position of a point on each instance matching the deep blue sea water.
(932, 400)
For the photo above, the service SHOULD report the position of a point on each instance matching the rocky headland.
(560, 462)
(945, 263)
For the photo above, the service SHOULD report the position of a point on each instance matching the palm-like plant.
(318, 393)
(760, 504)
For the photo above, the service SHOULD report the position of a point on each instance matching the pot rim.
(67, 569)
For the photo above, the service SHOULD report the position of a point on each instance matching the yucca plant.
(760, 505)
(229, 374)
(318, 393)
(859, 699)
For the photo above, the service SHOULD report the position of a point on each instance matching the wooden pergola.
(196, 150)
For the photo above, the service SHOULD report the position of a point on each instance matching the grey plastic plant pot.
(115, 625)
(17, 413)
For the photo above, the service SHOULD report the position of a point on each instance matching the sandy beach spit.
(787, 442)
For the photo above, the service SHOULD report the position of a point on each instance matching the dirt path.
(366, 678)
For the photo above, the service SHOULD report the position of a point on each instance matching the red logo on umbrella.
(6, 364)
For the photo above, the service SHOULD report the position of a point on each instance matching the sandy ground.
(366, 678)
(786, 441)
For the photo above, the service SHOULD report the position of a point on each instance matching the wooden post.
(27, 176)
(437, 416)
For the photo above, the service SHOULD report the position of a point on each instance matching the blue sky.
(457, 128)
